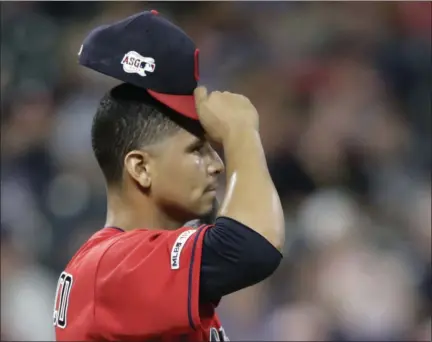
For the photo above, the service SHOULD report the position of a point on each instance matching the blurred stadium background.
(343, 91)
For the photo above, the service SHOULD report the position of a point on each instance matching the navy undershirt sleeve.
(234, 257)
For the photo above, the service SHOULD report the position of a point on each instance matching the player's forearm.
(251, 197)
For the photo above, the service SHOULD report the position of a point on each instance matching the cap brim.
(183, 104)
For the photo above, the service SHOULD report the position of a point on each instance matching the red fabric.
(125, 288)
(183, 104)
(196, 65)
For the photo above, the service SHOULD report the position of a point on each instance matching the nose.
(216, 165)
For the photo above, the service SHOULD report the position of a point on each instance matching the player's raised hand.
(224, 114)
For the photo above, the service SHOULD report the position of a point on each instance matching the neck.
(131, 210)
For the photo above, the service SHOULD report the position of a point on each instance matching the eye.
(197, 148)
(200, 149)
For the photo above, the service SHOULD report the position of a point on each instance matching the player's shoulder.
(115, 246)
(146, 242)
(95, 246)
(152, 237)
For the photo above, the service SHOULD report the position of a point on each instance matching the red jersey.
(136, 286)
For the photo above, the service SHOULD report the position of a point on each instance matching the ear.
(137, 165)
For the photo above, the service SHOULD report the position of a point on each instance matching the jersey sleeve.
(147, 284)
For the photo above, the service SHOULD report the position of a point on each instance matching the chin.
(208, 215)
(199, 213)
(205, 211)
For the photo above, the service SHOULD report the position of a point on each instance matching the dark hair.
(127, 118)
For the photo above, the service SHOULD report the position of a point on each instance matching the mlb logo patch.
(178, 246)
(134, 63)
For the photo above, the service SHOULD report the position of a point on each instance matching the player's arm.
(229, 260)
(251, 197)
(233, 257)
(251, 216)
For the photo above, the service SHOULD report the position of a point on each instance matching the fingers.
(200, 94)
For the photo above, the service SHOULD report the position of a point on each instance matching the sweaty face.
(184, 175)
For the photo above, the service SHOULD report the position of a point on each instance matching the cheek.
(184, 178)
(199, 164)
(195, 170)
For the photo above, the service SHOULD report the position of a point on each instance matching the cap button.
(154, 12)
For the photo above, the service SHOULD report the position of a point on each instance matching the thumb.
(200, 94)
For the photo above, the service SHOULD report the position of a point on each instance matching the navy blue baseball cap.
(149, 52)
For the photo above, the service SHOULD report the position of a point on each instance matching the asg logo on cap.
(134, 63)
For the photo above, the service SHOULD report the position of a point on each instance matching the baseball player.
(146, 276)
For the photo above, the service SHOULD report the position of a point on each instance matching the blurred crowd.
(343, 91)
